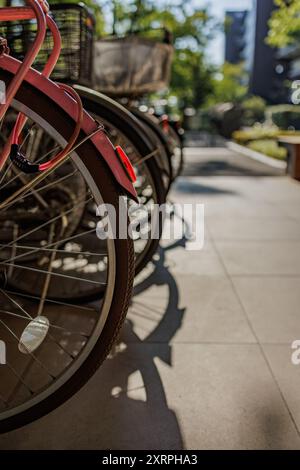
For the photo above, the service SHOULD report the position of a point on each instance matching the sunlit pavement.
(204, 360)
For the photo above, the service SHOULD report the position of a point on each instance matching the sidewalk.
(204, 361)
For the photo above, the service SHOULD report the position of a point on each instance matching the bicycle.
(75, 66)
(124, 129)
(127, 68)
(48, 196)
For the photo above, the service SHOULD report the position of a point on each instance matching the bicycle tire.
(121, 119)
(29, 97)
(149, 122)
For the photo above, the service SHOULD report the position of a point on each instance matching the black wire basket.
(76, 25)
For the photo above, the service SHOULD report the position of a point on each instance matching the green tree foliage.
(191, 30)
(228, 85)
(192, 78)
(254, 110)
(284, 23)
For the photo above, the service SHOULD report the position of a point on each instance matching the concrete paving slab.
(222, 161)
(287, 376)
(187, 371)
(206, 396)
(253, 228)
(260, 258)
(283, 189)
(272, 305)
(231, 205)
(189, 309)
(264, 189)
(290, 208)
(199, 262)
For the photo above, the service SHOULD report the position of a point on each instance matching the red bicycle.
(56, 166)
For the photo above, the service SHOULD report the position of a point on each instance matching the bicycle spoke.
(45, 224)
(49, 185)
(41, 305)
(20, 378)
(48, 246)
(53, 183)
(9, 166)
(39, 161)
(16, 303)
(57, 279)
(65, 276)
(14, 249)
(18, 340)
(57, 327)
(41, 176)
(48, 275)
(56, 302)
(68, 252)
(34, 193)
(139, 161)
(42, 301)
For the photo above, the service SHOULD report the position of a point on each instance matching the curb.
(257, 156)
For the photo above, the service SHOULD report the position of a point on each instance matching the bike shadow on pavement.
(124, 406)
(136, 408)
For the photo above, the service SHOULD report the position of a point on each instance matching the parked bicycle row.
(67, 154)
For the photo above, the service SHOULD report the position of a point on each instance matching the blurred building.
(235, 36)
(267, 73)
(267, 69)
(289, 57)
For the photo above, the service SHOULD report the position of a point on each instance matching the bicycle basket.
(131, 65)
(76, 26)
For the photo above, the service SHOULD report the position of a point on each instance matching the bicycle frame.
(38, 9)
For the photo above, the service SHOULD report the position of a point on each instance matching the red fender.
(66, 102)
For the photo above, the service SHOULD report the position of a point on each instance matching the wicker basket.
(131, 66)
(76, 26)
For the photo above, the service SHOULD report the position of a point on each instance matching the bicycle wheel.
(124, 129)
(176, 146)
(49, 250)
(152, 126)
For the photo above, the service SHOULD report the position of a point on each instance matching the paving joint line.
(257, 339)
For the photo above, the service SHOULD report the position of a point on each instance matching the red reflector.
(165, 123)
(126, 163)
